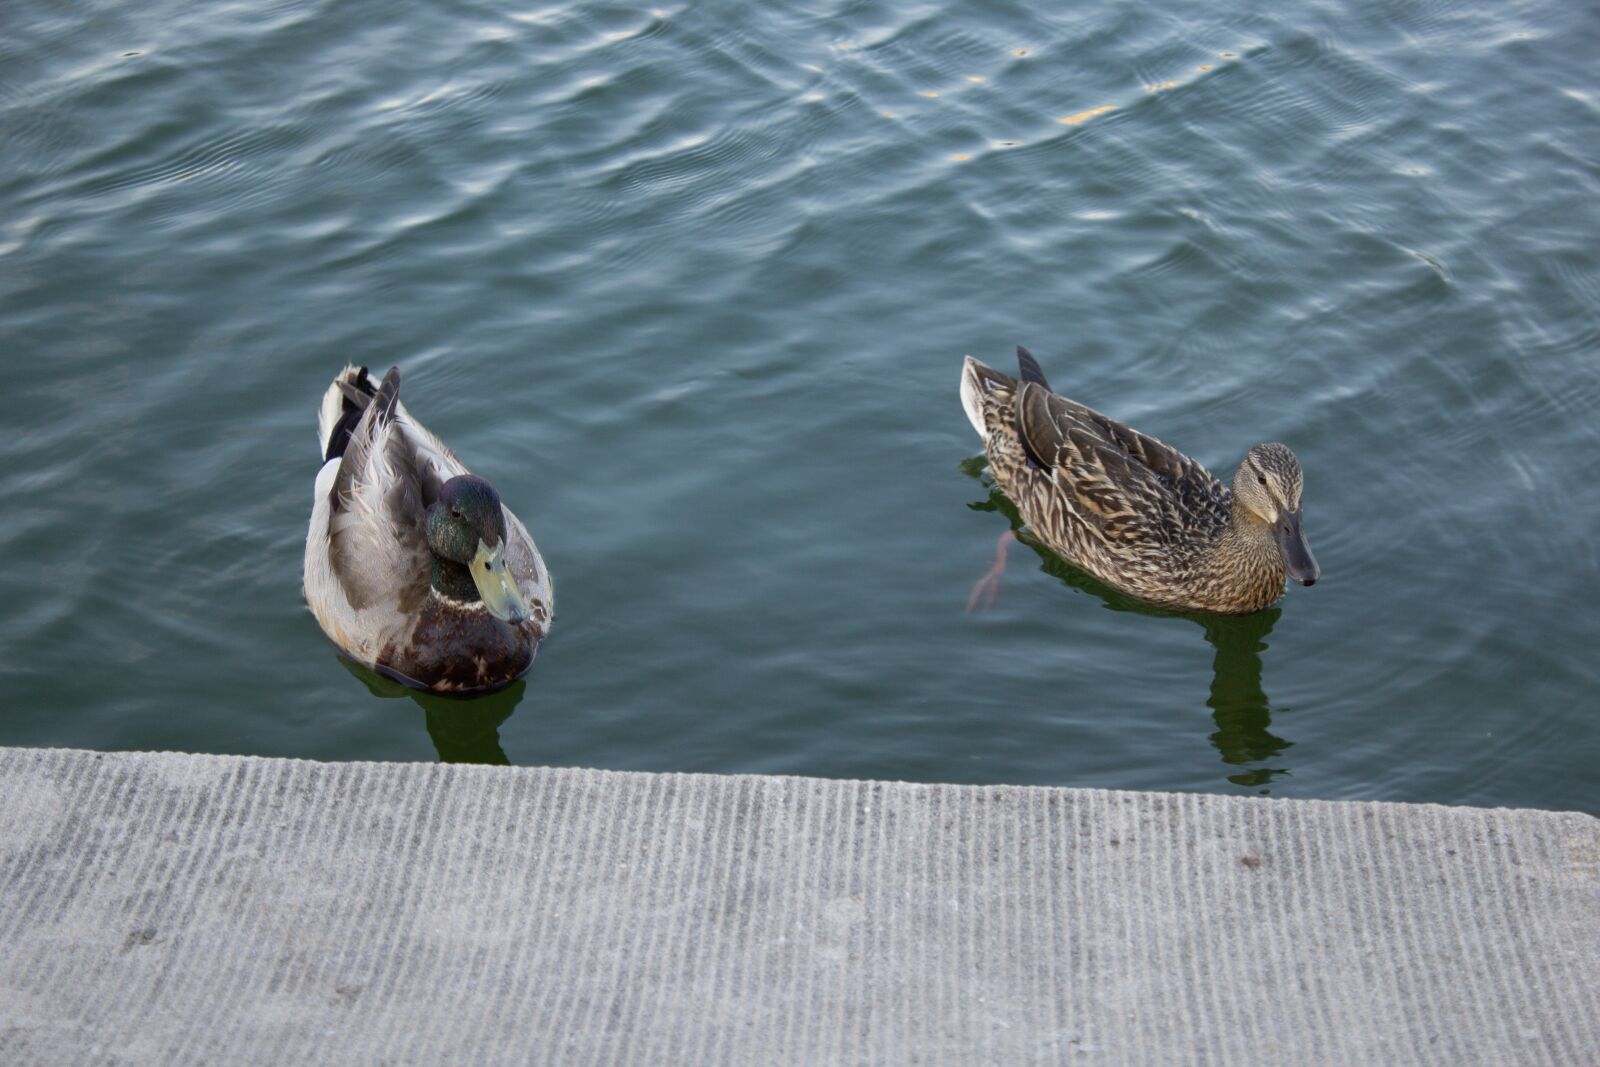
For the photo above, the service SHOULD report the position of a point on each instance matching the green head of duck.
(467, 535)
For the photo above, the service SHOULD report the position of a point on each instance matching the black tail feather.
(1029, 368)
(358, 393)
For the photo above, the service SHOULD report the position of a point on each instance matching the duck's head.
(467, 526)
(1267, 487)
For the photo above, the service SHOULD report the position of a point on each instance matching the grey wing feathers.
(377, 538)
(432, 460)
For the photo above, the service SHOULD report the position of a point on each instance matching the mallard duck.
(1135, 513)
(413, 566)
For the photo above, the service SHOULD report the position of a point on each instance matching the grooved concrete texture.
(170, 909)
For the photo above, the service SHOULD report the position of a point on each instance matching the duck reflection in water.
(1238, 704)
(463, 730)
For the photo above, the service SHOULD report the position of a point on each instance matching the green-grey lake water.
(691, 284)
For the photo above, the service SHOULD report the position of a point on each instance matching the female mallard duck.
(1138, 515)
(413, 566)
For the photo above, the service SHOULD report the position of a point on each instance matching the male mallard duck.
(413, 566)
(1133, 512)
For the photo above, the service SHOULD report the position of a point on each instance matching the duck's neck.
(453, 580)
(1245, 562)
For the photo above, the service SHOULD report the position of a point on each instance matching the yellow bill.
(496, 585)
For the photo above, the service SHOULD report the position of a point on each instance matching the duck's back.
(1121, 504)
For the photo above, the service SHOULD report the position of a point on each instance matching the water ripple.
(691, 282)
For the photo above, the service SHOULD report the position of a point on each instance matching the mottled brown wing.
(1129, 484)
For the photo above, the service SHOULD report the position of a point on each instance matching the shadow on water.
(1239, 706)
(463, 730)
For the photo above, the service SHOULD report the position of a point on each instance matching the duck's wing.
(1130, 485)
(378, 505)
(434, 465)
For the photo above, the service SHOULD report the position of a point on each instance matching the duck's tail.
(982, 389)
(352, 390)
(1028, 367)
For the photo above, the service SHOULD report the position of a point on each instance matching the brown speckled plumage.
(1133, 512)
(455, 648)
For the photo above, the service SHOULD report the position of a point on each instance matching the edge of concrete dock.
(186, 909)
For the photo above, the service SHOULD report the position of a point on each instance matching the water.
(692, 284)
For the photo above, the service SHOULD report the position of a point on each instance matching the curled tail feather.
(342, 406)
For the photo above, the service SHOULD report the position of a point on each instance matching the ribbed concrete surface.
(163, 909)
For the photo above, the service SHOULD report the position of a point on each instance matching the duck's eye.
(1260, 479)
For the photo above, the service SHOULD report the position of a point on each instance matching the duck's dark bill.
(1297, 557)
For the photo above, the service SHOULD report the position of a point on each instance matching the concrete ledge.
(169, 909)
